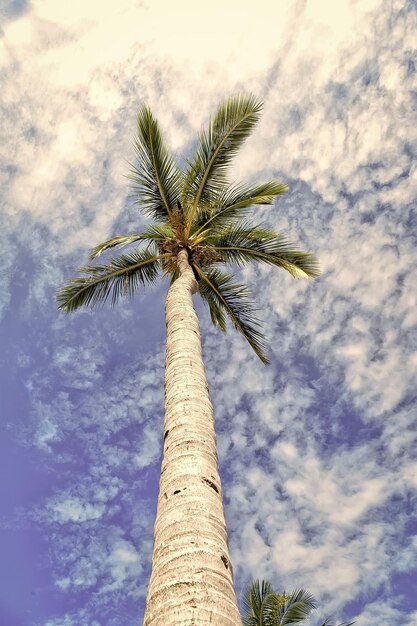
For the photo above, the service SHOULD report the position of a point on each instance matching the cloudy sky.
(318, 450)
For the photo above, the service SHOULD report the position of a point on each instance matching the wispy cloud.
(317, 451)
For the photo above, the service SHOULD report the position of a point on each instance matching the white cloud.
(315, 448)
(381, 613)
(78, 133)
(123, 562)
(79, 365)
(412, 619)
(73, 510)
(149, 449)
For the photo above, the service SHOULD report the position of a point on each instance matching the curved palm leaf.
(260, 605)
(242, 243)
(206, 174)
(296, 608)
(253, 602)
(115, 242)
(156, 233)
(223, 296)
(264, 607)
(121, 277)
(327, 623)
(216, 311)
(155, 177)
(233, 202)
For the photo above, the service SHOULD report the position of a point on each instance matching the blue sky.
(317, 451)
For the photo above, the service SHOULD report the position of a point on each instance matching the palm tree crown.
(264, 607)
(194, 209)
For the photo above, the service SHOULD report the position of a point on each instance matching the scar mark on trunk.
(166, 434)
(211, 484)
(177, 491)
(225, 561)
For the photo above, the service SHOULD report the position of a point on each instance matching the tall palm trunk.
(192, 580)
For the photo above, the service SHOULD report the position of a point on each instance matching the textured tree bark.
(192, 579)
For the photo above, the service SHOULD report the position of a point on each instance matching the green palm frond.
(242, 243)
(327, 623)
(242, 234)
(253, 602)
(264, 607)
(121, 277)
(234, 202)
(223, 295)
(216, 311)
(156, 233)
(174, 275)
(231, 125)
(115, 242)
(296, 608)
(155, 177)
(261, 605)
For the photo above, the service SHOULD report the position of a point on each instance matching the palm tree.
(198, 226)
(264, 607)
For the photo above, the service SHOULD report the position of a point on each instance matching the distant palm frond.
(298, 606)
(261, 605)
(327, 623)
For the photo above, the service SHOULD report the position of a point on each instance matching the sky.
(318, 450)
